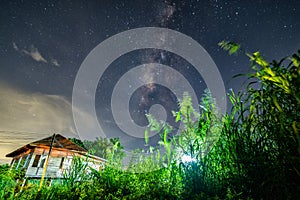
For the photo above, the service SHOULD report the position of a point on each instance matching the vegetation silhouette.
(252, 152)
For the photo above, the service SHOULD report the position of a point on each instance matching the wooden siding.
(26, 158)
(53, 168)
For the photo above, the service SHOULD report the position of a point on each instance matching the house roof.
(59, 142)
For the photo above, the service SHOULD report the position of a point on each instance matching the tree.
(105, 148)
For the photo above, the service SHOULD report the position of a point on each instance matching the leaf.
(296, 60)
(165, 137)
(178, 116)
(146, 135)
(229, 46)
(256, 57)
(294, 125)
(234, 49)
(238, 75)
(158, 155)
(269, 71)
(276, 103)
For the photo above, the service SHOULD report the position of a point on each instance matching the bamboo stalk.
(46, 163)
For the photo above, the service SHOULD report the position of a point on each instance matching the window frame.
(36, 160)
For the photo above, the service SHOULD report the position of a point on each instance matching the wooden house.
(32, 158)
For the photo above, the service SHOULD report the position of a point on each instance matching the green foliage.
(7, 183)
(231, 47)
(78, 172)
(109, 149)
(194, 139)
(78, 142)
(252, 152)
(266, 129)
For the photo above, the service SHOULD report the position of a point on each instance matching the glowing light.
(187, 158)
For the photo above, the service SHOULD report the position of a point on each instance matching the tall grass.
(252, 152)
(266, 128)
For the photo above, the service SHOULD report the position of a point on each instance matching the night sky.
(44, 43)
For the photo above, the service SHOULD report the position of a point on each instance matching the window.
(42, 162)
(36, 160)
(27, 161)
(61, 163)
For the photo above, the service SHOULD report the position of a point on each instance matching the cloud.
(26, 117)
(34, 53)
(54, 62)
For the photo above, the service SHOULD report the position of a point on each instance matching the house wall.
(21, 161)
(54, 168)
